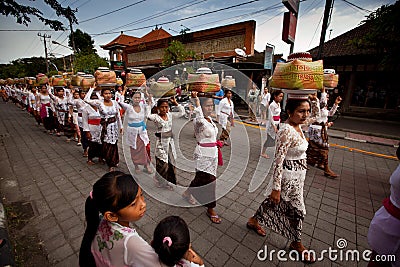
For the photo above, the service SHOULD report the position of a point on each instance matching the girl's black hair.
(293, 103)
(274, 94)
(105, 89)
(160, 101)
(112, 192)
(177, 230)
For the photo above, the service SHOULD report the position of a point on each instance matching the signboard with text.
(118, 65)
(289, 27)
(268, 57)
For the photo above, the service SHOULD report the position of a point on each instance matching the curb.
(6, 254)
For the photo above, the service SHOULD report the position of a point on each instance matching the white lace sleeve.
(333, 110)
(283, 142)
(180, 113)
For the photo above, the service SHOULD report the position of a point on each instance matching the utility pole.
(68, 15)
(327, 14)
(45, 49)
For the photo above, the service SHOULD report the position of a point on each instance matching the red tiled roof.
(122, 39)
(127, 40)
(155, 35)
(340, 46)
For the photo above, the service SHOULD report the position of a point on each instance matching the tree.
(176, 53)
(89, 62)
(83, 42)
(24, 13)
(384, 35)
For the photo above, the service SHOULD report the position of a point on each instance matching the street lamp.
(63, 57)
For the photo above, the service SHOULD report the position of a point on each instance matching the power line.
(160, 14)
(182, 19)
(84, 3)
(354, 5)
(108, 13)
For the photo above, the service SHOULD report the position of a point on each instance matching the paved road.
(52, 175)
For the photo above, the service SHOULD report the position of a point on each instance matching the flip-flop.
(212, 217)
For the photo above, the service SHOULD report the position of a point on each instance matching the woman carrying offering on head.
(136, 133)
(283, 210)
(207, 157)
(165, 146)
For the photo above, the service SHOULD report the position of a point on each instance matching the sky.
(141, 16)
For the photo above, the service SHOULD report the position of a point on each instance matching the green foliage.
(89, 62)
(24, 13)
(383, 35)
(25, 67)
(83, 42)
(176, 53)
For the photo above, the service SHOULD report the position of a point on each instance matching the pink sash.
(218, 144)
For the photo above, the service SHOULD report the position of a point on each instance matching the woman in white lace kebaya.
(206, 155)
(111, 125)
(318, 148)
(283, 210)
(165, 146)
(136, 133)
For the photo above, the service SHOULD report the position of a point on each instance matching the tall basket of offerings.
(87, 81)
(10, 81)
(299, 77)
(204, 81)
(331, 79)
(105, 77)
(42, 79)
(58, 81)
(228, 82)
(162, 88)
(135, 79)
(76, 79)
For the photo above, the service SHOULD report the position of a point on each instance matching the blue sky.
(20, 44)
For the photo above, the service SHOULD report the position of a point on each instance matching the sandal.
(90, 162)
(304, 257)
(189, 198)
(264, 156)
(214, 218)
(256, 228)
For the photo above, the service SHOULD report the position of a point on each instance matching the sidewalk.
(53, 176)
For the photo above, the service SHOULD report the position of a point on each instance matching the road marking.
(351, 149)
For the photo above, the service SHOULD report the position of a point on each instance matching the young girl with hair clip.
(108, 239)
(171, 241)
(165, 146)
